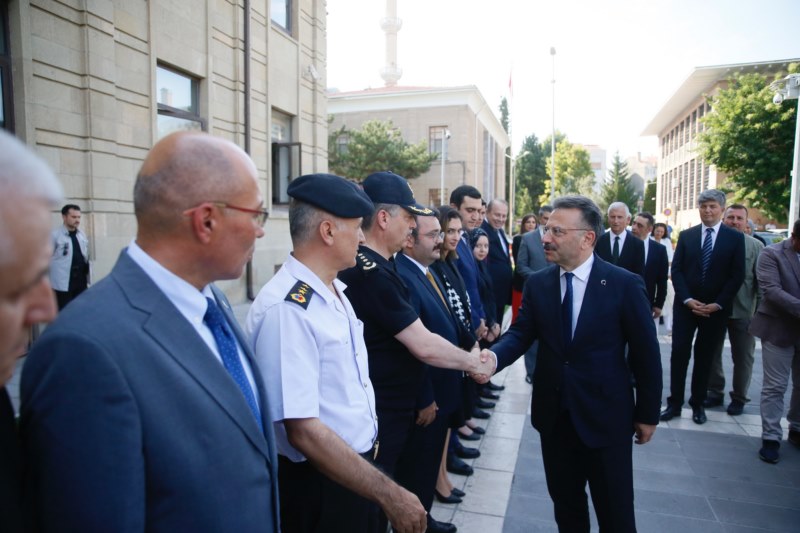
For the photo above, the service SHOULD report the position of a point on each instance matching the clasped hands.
(701, 309)
(487, 366)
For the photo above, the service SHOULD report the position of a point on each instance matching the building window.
(281, 13)
(286, 163)
(6, 111)
(435, 136)
(177, 96)
(433, 197)
(341, 143)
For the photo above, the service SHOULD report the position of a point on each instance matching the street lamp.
(553, 138)
(445, 136)
(789, 88)
(513, 188)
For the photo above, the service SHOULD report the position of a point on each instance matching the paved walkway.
(689, 479)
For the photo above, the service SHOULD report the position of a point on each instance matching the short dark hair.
(69, 207)
(415, 229)
(458, 194)
(661, 225)
(647, 216)
(590, 213)
(545, 209)
(738, 206)
(796, 228)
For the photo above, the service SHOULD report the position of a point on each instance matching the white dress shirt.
(579, 282)
(714, 234)
(621, 240)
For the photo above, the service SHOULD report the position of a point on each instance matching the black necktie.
(566, 310)
(615, 251)
(226, 345)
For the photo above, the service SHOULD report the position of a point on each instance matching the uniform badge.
(300, 294)
(365, 263)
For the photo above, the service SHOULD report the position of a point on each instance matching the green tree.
(530, 175)
(574, 173)
(751, 139)
(618, 186)
(375, 147)
(649, 204)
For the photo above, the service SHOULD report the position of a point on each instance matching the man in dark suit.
(418, 467)
(617, 246)
(142, 406)
(777, 324)
(656, 263)
(499, 258)
(28, 190)
(584, 312)
(707, 271)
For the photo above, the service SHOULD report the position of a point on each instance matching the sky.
(617, 62)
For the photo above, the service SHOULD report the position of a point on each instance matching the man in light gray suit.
(142, 406)
(531, 259)
(777, 324)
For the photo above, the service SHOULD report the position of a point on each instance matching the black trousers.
(419, 464)
(569, 464)
(312, 503)
(710, 335)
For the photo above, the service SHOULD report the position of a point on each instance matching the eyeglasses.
(558, 231)
(260, 216)
(435, 235)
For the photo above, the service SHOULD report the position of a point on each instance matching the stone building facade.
(92, 85)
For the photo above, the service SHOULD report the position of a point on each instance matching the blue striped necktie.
(226, 345)
(707, 251)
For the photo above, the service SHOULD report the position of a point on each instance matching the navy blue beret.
(389, 188)
(331, 193)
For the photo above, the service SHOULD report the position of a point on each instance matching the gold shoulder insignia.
(300, 294)
(365, 263)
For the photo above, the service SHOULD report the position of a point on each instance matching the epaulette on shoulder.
(300, 294)
(365, 263)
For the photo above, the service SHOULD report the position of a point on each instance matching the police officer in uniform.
(310, 348)
(399, 345)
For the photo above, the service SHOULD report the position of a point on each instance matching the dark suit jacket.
(656, 272)
(590, 377)
(11, 515)
(131, 424)
(445, 384)
(499, 269)
(726, 271)
(777, 319)
(631, 257)
(468, 268)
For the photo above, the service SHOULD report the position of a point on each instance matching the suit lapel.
(179, 340)
(596, 285)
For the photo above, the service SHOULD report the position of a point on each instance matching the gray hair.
(304, 219)
(545, 209)
(711, 195)
(619, 205)
(493, 203)
(392, 209)
(24, 176)
(590, 213)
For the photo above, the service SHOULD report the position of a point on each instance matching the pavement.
(688, 479)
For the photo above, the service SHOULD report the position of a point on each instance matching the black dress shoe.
(713, 401)
(434, 526)
(489, 395)
(669, 413)
(457, 466)
(699, 415)
(492, 386)
(447, 499)
(477, 413)
(468, 453)
(472, 436)
(479, 430)
(458, 492)
(735, 408)
(483, 404)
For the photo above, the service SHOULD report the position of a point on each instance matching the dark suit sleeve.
(637, 267)
(736, 272)
(679, 271)
(662, 273)
(425, 395)
(82, 433)
(519, 337)
(644, 356)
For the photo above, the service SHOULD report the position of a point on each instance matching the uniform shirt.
(381, 299)
(310, 349)
(61, 260)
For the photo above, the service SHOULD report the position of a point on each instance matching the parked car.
(774, 235)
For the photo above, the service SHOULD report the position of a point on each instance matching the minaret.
(391, 25)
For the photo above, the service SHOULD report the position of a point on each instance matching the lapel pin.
(602, 282)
